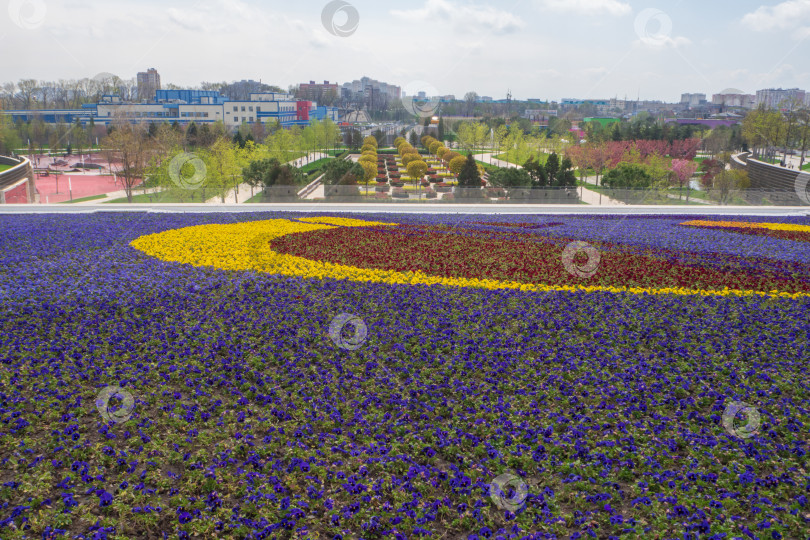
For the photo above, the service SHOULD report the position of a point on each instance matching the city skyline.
(585, 48)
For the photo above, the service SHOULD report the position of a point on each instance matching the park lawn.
(168, 196)
(85, 199)
(5, 167)
(511, 157)
(316, 164)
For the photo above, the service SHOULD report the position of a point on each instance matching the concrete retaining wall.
(771, 183)
(17, 183)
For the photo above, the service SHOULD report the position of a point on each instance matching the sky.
(546, 49)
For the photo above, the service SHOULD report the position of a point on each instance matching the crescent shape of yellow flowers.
(246, 246)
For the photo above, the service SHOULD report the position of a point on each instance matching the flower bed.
(441, 187)
(603, 400)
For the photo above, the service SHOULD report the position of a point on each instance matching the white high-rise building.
(774, 98)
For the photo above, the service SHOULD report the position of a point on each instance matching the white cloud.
(587, 7)
(661, 41)
(789, 15)
(482, 17)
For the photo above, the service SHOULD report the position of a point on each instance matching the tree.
(368, 158)
(357, 139)
(628, 176)
(9, 140)
(552, 167)
(762, 129)
(470, 99)
(440, 128)
(537, 172)
(238, 140)
(728, 181)
(369, 171)
(710, 168)
(565, 176)
(579, 157)
(510, 178)
(457, 164)
(790, 119)
(683, 170)
(205, 137)
(224, 169)
(379, 136)
(407, 158)
(290, 176)
(261, 172)
(804, 130)
(131, 148)
(337, 170)
(413, 138)
(469, 176)
(191, 135)
(416, 169)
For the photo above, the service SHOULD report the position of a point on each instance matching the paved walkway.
(490, 159)
(244, 188)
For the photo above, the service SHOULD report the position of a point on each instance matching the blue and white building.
(187, 106)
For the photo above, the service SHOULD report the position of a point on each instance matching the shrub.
(628, 176)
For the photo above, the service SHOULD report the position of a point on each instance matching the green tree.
(368, 158)
(469, 176)
(191, 135)
(263, 172)
(369, 171)
(457, 164)
(566, 176)
(225, 171)
(628, 176)
(552, 168)
(290, 176)
(409, 157)
(537, 172)
(726, 183)
(238, 140)
(339, 170)
(9, 140)
(416, 170)
(357, 139)
(510, 178)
